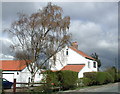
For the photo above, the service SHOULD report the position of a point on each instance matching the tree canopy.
(39, 36)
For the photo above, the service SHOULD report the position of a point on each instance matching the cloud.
(93, 24)
(103, 13)
(6, 52)
(6, 57)
(92, 38)
(10, 11)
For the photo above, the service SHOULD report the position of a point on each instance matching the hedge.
(64, 79)
(104, 78)
(84, 82)
(98, 78)
(52, 79)
(118, 77)
(68, 79)
(113, 72)
(91, 76)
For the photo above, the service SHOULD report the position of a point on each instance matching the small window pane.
(66, 51)
(94, 64)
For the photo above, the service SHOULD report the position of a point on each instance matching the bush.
(98, 78)
(118, 76)
(113, 72)
(68, 79)
(84, 81)
(51, 80)
(64, 79)
(103, 78)
(91, 76)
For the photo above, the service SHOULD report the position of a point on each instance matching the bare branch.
(40, 36)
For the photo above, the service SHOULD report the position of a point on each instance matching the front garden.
(67, 80)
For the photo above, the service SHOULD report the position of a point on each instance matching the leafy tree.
(96, 57)
(39, 36)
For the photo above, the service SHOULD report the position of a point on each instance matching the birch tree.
(39, 36)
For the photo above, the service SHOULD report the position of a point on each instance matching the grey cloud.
(92, 38)
(104, 13)
(93, 25)
(6, 46)
(10, 11)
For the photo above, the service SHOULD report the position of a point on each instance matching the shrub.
(65, 79)
(118, 76)
(103, 78)
(51, 80)
(91, 76)
(113, 72)
(85, 81)
(99, 77)
(68, 79)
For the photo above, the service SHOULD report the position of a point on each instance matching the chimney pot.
(75, 45)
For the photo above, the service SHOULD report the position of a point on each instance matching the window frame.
(67, 52)
(94, 64)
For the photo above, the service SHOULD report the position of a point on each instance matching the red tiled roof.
(75, 68)
(12, 65)
(81, 53)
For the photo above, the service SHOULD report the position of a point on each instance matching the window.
(94, 64)
(88, 64)
(66, 51)
(17, 73)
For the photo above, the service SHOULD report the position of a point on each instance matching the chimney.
(75, 45)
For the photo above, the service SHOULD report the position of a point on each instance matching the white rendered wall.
(21, 76)
(9, 75)
(87, 68)
(61, 61)
(73, 58)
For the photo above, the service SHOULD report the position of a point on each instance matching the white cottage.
(17, 69)
(70, 58)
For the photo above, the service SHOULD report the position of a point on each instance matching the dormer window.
(94, 64)
(66, 51)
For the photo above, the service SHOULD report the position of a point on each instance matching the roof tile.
(75, 68)
(12, 65)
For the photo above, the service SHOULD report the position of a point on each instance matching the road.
(113, 88)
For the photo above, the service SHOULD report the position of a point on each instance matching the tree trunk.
(32, 79)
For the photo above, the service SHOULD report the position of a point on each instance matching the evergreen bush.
(99, 78)
(64, 79)
(91, 76)
(113, 72)
(68, 79)
(103, 78)
(85, 81)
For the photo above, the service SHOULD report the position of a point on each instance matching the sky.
(94, 25)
